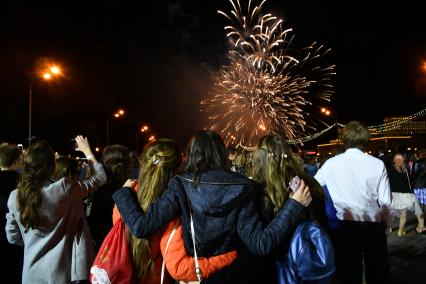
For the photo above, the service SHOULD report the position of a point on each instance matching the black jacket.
(418, 174)
(101, 207)
(224, 210)
(12, 268)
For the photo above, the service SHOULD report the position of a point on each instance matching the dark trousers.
(358, 242)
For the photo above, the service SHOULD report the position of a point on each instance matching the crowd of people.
(209, 213)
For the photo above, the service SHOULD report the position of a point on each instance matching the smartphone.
(20, 147)
(294, 183)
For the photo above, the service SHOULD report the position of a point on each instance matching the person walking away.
(359, 187)
(403, 197)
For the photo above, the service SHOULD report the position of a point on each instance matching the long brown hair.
(37, 165)
(273, 166)
(206, 151)
(159, 160)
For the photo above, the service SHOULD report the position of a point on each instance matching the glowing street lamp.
(119, 113)
(47, 74)
(152, 138)
(55, 70)
(144, 128)
(325, 111)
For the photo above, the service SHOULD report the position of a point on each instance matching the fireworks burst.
(267, 86)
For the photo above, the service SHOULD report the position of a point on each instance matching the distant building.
(393, 136)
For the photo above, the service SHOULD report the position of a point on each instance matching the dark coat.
(12, 268)
(224, 210)
(99, 217)
(418, 173)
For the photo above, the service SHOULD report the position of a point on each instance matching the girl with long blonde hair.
(274, 165)
(403, 197)
(159, 161)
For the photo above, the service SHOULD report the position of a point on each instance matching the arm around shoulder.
(261, 238)
(142, 224)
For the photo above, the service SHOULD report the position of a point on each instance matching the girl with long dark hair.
(47, 217)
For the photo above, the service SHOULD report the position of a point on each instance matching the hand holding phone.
(20, 147)
(294, 183)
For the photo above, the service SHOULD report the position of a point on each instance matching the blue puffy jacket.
(224, 210)
(310, 258)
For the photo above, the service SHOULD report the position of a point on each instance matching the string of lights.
(376, 129)
(395, 124)
(385, 127)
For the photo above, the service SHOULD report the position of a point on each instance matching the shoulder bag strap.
(167, 246)
(197, 267)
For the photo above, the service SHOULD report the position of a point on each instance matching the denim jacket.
(224, 210)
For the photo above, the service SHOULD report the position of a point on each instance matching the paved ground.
(407, 255)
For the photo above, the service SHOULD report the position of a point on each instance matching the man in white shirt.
(359, 187)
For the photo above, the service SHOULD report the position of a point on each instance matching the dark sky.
(155, 61)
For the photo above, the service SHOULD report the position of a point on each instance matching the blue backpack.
(310, 256)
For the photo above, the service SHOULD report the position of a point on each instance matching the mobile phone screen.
(294, 183)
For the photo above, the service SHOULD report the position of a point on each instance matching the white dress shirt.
(358, 185)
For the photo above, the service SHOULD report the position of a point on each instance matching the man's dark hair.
(9, 154)
(356, 135)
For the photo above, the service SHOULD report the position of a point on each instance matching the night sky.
(155, 61)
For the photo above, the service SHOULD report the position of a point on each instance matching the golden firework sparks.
(267, 84)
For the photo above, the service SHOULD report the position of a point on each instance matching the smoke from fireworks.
(267, 86)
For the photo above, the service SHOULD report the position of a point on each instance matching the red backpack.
(113, 263)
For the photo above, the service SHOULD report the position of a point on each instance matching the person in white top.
(359, 187)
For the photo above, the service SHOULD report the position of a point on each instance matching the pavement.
(407, 254)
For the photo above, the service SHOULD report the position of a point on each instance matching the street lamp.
(119, 113)
(325, 111)
(144, 128)
(47, 74)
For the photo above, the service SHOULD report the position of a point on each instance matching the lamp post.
(117, 114)
(328, 113)
(47, 75)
